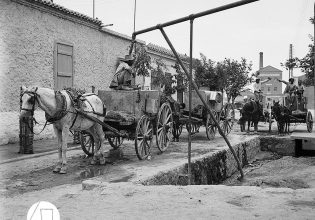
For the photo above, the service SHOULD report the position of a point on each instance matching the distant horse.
(282, 116)
(250, 113)
(60, 110)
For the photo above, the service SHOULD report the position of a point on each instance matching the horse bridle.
(33, 99)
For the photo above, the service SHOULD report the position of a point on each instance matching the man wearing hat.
(123, 75)
(289, 92)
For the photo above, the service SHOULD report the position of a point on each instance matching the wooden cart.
(146, 117)
(223, 112)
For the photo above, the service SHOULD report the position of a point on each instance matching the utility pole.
(314, 57)
(93, 8)
(134, 16)
(290, 59)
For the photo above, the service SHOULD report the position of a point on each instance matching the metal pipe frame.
(204, 103)
(189, 74)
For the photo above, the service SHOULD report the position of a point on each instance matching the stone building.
(46, 45)
(272, 90)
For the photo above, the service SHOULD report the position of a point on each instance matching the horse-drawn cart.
(224, 114)
(294, 112)
(135, 115)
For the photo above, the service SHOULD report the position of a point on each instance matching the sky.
(267, 26)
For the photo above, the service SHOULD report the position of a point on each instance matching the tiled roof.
(65, 10)
(269, 69)
(164, 51)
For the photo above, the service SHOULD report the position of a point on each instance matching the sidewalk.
(40, 147)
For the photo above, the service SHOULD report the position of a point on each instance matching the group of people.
(290, 92)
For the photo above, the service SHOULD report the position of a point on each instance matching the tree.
(306, 64)
(233, 76)
(205, 75)
(181, 79)
(142, 63)
(159, 77)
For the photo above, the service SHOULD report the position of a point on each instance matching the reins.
(34, 98)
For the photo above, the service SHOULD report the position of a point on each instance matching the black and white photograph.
(146, 109)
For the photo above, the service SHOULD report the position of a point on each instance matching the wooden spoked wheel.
(143, 138)
(87, 143)
(211, 128)
(309, 121)
(227, 118)
(164, 127)
(115, 142)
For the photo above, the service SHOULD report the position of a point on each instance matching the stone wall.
(27, 38)
(209, 169)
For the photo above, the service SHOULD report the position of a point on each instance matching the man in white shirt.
(257, 88)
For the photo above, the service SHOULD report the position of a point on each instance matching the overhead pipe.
(189, 17)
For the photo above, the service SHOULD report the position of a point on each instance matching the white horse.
(92, 105)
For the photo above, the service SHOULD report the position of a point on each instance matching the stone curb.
(36, 155)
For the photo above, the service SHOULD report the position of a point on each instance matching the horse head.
(29, 101)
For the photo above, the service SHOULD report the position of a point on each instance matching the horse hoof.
(102, 161)
(57, 169)
(93, 162)
(63, 170)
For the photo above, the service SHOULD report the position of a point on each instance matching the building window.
(63, 65)
(275, 89)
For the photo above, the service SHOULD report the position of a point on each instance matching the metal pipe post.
(203, 101)
(314, 57)
(190, 98)
(93, 8)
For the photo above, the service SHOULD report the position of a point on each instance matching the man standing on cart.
(289, 93)
(257, 92)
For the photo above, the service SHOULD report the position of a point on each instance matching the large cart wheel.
(87, 143)
(227, 118)
(144, 136)
(164, 127)
(211, 128)
(115, 142)
(309, 121)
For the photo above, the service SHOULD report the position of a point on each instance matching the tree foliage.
(181, 78)
(229, 75)
(142, 63)
(306, 64)
(205, 75)
(159, 77)
(234, 76)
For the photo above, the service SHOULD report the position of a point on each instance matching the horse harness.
(76, 99)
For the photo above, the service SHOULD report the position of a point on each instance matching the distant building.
(272, 90)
